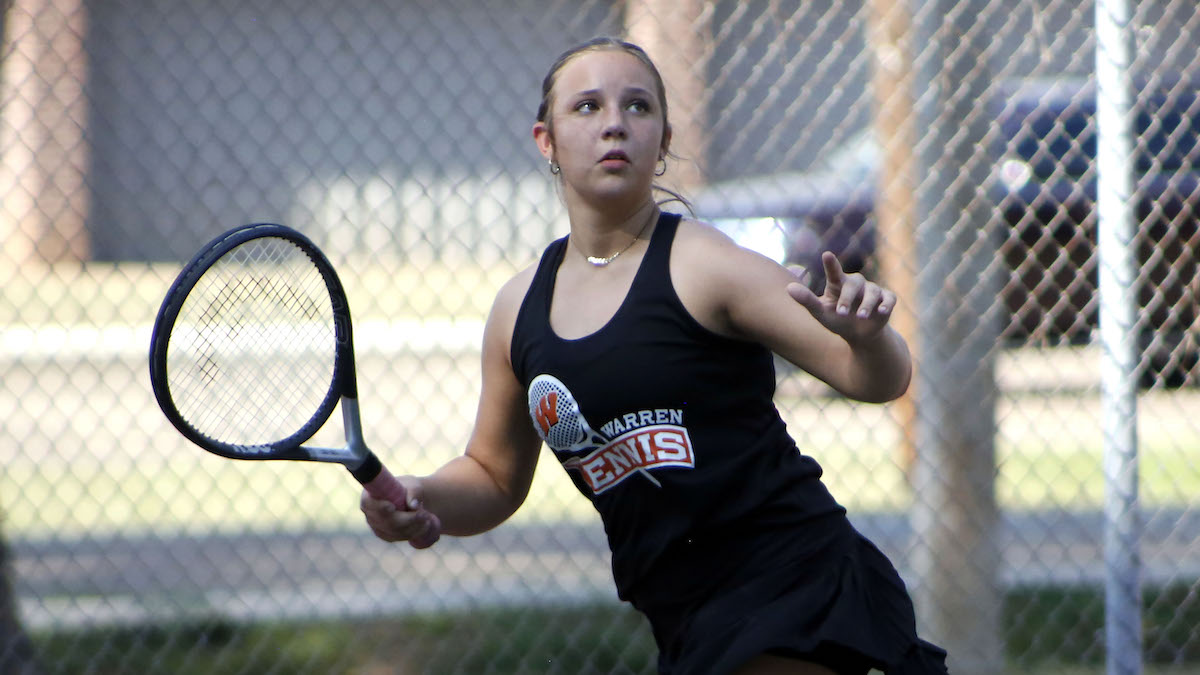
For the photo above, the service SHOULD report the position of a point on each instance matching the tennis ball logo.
(557, 417)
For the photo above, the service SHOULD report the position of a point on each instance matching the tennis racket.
(252, 351)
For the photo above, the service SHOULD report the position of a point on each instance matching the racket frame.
(355, 455)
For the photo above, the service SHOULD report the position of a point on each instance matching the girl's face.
(606, 128)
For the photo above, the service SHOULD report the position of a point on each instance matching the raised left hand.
(851, 306)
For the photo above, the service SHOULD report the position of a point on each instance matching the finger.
(431, 532)
(850, 295)
(401, 526)
(804, 295)
(872, 294)
(380, 514)
(833, 268)
(799, 289)
(888, 302)
(371, 506)
(384, 525)
(415, 490)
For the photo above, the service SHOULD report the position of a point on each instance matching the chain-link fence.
(948, 148)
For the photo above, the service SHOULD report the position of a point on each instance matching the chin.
(620, 185)
(613, 197)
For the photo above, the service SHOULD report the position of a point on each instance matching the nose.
(614, 127)
(614, 131)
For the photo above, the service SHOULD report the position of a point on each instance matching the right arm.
(480, 489)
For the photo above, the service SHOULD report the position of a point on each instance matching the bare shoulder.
(512, 293)
(700, 243)
(711, 272)
(696, 236)
(507, 304)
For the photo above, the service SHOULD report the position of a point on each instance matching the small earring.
(663, 170)
(554, 167)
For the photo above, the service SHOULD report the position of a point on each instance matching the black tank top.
(668, 428)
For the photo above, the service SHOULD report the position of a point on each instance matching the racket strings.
(253, 350)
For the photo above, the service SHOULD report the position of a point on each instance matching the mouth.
(615, 156)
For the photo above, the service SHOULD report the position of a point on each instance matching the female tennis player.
(639, 349)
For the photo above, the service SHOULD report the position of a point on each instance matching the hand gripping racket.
(252, 351)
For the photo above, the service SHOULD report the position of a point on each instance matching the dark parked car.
(1044, 190)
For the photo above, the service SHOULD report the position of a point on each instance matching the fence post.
(43, 123)
(891, 84)
(677, 34)
(1116, 228)
(955, 516)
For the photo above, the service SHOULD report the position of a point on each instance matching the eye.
(586, 106)
(638, 105)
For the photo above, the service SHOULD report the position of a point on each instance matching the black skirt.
(831, 598)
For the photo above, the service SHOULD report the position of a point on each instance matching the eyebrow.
(630, 91)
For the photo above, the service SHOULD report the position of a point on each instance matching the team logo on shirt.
(634, 443)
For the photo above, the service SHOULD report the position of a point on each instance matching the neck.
(599, 237)
(605, 209)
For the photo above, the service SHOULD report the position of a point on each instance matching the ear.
(541, 136)
(666, 142)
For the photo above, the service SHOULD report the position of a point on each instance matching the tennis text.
(644, 448)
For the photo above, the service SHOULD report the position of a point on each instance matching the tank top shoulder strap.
(542, 286)
(533, 318)
(655, 272)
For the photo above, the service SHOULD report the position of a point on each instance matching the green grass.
(1047, 630)
(197, 492)
(575, 640)
(1065, 624)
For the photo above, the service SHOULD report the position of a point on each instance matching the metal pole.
(1118, 302)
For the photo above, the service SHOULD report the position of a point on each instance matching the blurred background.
(949, 149)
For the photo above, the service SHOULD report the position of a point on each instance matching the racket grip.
(385, 486)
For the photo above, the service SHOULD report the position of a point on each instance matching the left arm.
(841, 337)
(879, 367)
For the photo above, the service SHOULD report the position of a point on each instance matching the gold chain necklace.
(603, 262)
